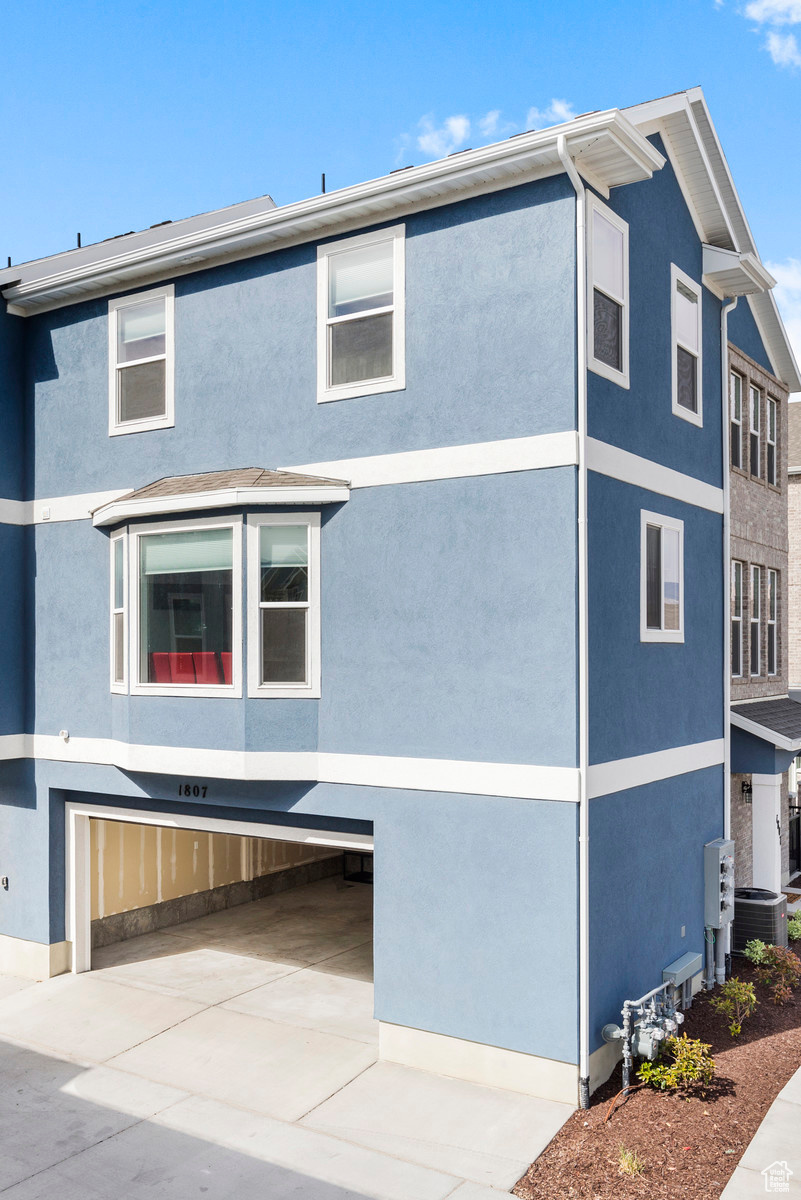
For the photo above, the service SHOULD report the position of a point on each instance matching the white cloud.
(774, 12)
(788, 297)
(556, 112)
(451, 134)
(783, 49)
(489, 124)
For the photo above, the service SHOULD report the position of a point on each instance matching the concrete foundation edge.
(119, 927)
(33, 960)
(491, 1066)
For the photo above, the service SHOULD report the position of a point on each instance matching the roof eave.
(627, 157)
(126, 509)
(766, 735)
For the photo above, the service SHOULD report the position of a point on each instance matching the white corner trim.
(623, 773)
(642, 472)
(454, 462)
(763, 733)
(477, 1062)
(123, 510)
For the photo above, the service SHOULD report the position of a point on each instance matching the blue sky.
(116, 116)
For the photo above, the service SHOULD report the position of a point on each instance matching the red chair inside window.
(182, 668)
(226, 658)
(207, 669)
(160, 668)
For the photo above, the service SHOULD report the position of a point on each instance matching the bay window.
(284, 605)
(118, 606)
(187, 588)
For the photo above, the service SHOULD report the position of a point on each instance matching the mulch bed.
(690, 1147)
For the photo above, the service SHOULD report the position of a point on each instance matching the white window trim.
(772, 624)
(231, 690)
(771, 441)
(678, 276)
(310, 689)
(756, 574)
(601, 368)
(388, 383)
(659, 635)
(119, 687)
(167, 420)
(738, 421)
(738, 618)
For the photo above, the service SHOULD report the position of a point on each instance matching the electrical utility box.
(718, 882)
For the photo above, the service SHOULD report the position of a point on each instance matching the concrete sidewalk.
(772, 1163)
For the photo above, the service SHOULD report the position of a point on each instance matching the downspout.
(725, 443)
(583, 592)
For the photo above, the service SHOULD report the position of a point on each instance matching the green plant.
(780, 970)
(736, 1000)
(684, 1063)
(794, 926)
(755, 950)
(629, 1162)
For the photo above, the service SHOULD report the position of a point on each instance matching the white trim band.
(642, 472)
(454, 462)
(513, 780)
(617, 776)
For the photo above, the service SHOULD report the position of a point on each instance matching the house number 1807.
(192, 789)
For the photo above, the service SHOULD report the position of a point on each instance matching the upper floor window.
(773, 610)
(141, 361)
(608, 300)
(284, 604)
(736, 618)
(756, 621)
(755, 446)
(686, 329)
(772, 413)
(736, 398)
(119, 607)
(361, 315)
(661, 579)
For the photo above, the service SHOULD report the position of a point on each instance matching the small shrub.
(629, 1162)
(780, 970)
(755, 951)
(684, 1063)
(794, 926)
(736, 1000)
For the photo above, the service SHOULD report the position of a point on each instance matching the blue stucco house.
(396, 517)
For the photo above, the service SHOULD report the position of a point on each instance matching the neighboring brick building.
(794, 539)
(760, 581)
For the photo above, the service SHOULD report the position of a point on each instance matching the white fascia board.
(35, 287)
(124, 510)
(764, 734)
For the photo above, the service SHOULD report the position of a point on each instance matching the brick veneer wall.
(741, 832)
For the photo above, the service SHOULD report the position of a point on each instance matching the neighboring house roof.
(794, 439)
(775, 721)
(609, 148)
(221, 489)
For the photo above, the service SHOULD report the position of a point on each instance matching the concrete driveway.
(236, 1056)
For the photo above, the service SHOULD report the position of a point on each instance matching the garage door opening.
(269, 927)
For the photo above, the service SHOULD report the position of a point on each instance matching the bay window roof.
(221, 489)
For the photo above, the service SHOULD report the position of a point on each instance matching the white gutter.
(583, 620)
(726, 456)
